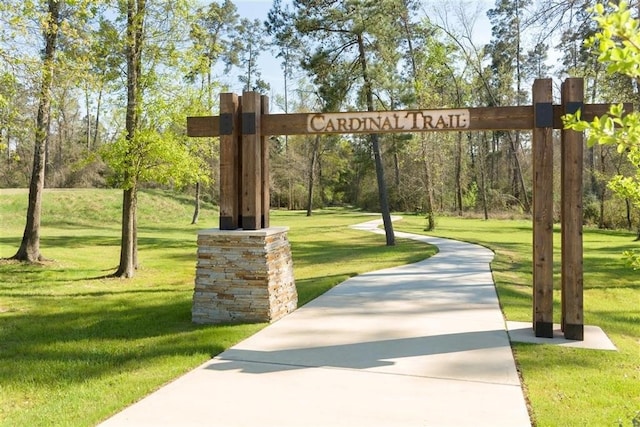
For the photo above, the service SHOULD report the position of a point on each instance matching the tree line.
(95, 94)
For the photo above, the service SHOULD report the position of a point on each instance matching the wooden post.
(572, 158)
(229, 162)
(251, 161)
(264, 143)
(543, 208)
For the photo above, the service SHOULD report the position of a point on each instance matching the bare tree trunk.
(483, 178)
(431, 222)
(29, 250)
(196, 211)
(97, 121)
(382, 188)
(129, 244)
(459, 173)
(312, 167)
(518, 171)
(127, 266)
(286, 138)
(88, 125)
(515, 145)
(603, 188)
(324, 201)
(396, 163)
(591, 154)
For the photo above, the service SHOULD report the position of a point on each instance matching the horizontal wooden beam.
(485, 118)
(474, 119)
(203, 126)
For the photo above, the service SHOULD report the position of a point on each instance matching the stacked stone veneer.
(243, 276)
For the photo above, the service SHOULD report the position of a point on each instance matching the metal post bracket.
(544, 114)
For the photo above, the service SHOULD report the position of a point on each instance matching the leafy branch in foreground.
(618, 44)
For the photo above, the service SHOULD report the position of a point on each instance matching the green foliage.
(505, 49)
(152, 157)
(618, 42)
(250, 43)
(212, 29)
(470, 197)
(159, 152)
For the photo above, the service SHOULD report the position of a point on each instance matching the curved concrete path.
(418, 345)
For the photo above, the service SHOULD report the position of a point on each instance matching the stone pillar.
(243, 276)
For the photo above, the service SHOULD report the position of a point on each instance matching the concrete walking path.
(422, 345)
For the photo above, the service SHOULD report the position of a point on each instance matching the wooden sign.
(388, 121)
(358, 122)
(244, 124)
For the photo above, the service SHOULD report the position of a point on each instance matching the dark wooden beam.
(481, 119)
(542, 145)
(571, 217)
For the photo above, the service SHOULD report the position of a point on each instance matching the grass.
(565, 386)
(76, 347)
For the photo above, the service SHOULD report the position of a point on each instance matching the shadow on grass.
(331, 252)
(69, 241)
(312, 287)
(624, 322)
(508, 295)
(96, 294)
(96, 339)
(13, 273)
(548, 358)
(76, 224)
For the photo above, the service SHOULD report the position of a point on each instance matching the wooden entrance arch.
(244, 124)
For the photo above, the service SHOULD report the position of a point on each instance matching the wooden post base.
(543, 329)
(574, 332)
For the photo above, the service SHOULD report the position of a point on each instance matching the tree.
(12, 108)
(103, 69)
(250, 42)
(315, 148)
(505, 51)
(535, 63)
(618, 43)
(479, 91)
(353, 34)
(151, 149)
(30, 246)
(132, 143)
(428, 59)
(280, 27)
(61, 25)
(212, 31)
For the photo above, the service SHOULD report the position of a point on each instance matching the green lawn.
(566, 387)
(76, 347)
